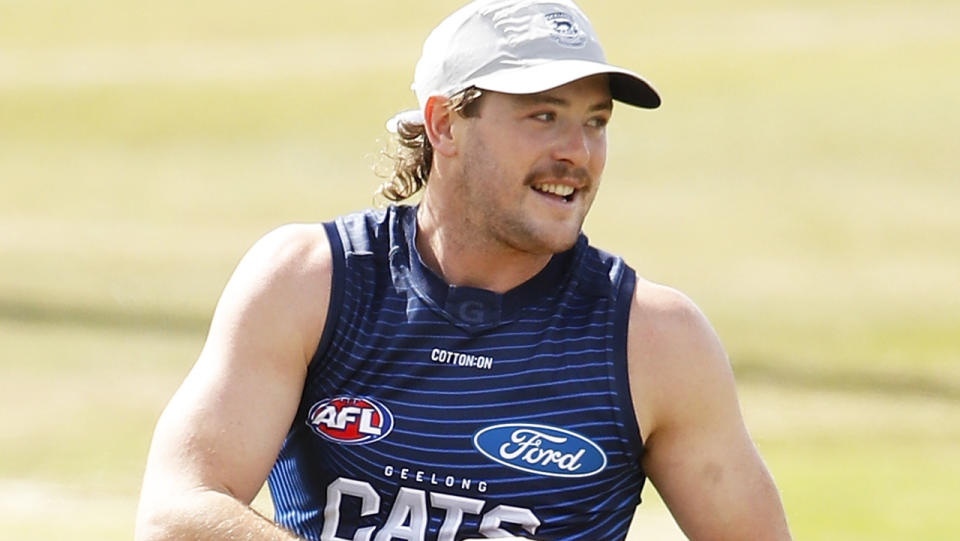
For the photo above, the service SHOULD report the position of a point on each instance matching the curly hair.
(413, 154)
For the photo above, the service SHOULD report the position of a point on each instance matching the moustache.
(560, 170)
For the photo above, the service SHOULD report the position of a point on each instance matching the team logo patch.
(565, 30)
(541, 449)
(350, 420)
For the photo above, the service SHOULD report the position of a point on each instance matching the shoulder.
(281, 287)
(666, 318)
(297, 254)
(676, 361)
(293, 243)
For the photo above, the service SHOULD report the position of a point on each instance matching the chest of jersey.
(462, 420)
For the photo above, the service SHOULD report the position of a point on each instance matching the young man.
(469, 367)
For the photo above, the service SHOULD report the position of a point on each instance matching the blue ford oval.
(541, 449)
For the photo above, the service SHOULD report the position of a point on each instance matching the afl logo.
(350, 420)
(541, 449)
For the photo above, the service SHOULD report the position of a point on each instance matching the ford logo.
(541, 449)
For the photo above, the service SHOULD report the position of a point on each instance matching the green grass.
(800, 183)
(877, 489)
(860, 464)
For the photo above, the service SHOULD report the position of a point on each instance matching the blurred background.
(801, 183)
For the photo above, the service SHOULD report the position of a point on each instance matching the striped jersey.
(436, 412)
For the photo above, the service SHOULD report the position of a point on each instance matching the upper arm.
(224, 426)
(697, 451)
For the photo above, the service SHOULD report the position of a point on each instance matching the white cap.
(516, 47)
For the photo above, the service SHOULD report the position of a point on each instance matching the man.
(469, 367)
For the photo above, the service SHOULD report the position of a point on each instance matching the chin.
(566, 244)
(558, 244)
(544, 238)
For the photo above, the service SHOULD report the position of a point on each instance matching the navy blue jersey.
(435, 412)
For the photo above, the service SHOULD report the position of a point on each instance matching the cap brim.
(625, 85)
(411, 116)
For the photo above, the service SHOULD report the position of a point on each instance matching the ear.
(437, 120)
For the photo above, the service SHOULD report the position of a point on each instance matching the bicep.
(714, 481)
(224, 426)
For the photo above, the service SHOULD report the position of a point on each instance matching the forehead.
(590, 92)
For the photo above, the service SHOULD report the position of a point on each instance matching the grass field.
(801, 183)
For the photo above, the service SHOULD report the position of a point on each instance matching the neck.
(463, 256)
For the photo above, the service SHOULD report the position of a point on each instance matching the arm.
(219, 436)
(697, 450)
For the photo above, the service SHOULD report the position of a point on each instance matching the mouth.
(558, 191)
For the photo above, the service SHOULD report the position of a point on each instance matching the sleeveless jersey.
(435, 412)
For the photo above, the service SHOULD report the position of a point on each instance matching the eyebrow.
(535, 99)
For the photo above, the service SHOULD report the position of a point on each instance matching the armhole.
(624, 300)
(336, 290)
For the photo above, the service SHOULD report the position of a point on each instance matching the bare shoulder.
(292, 255)
(674, 355)
(297, 249)
(667, 322)
(282, 285)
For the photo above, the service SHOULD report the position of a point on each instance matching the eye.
(545, 116)
(598, 122)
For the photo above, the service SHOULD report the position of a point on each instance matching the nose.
(573, 146)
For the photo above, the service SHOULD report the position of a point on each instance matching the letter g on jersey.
(541, 449)
(350, 420)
